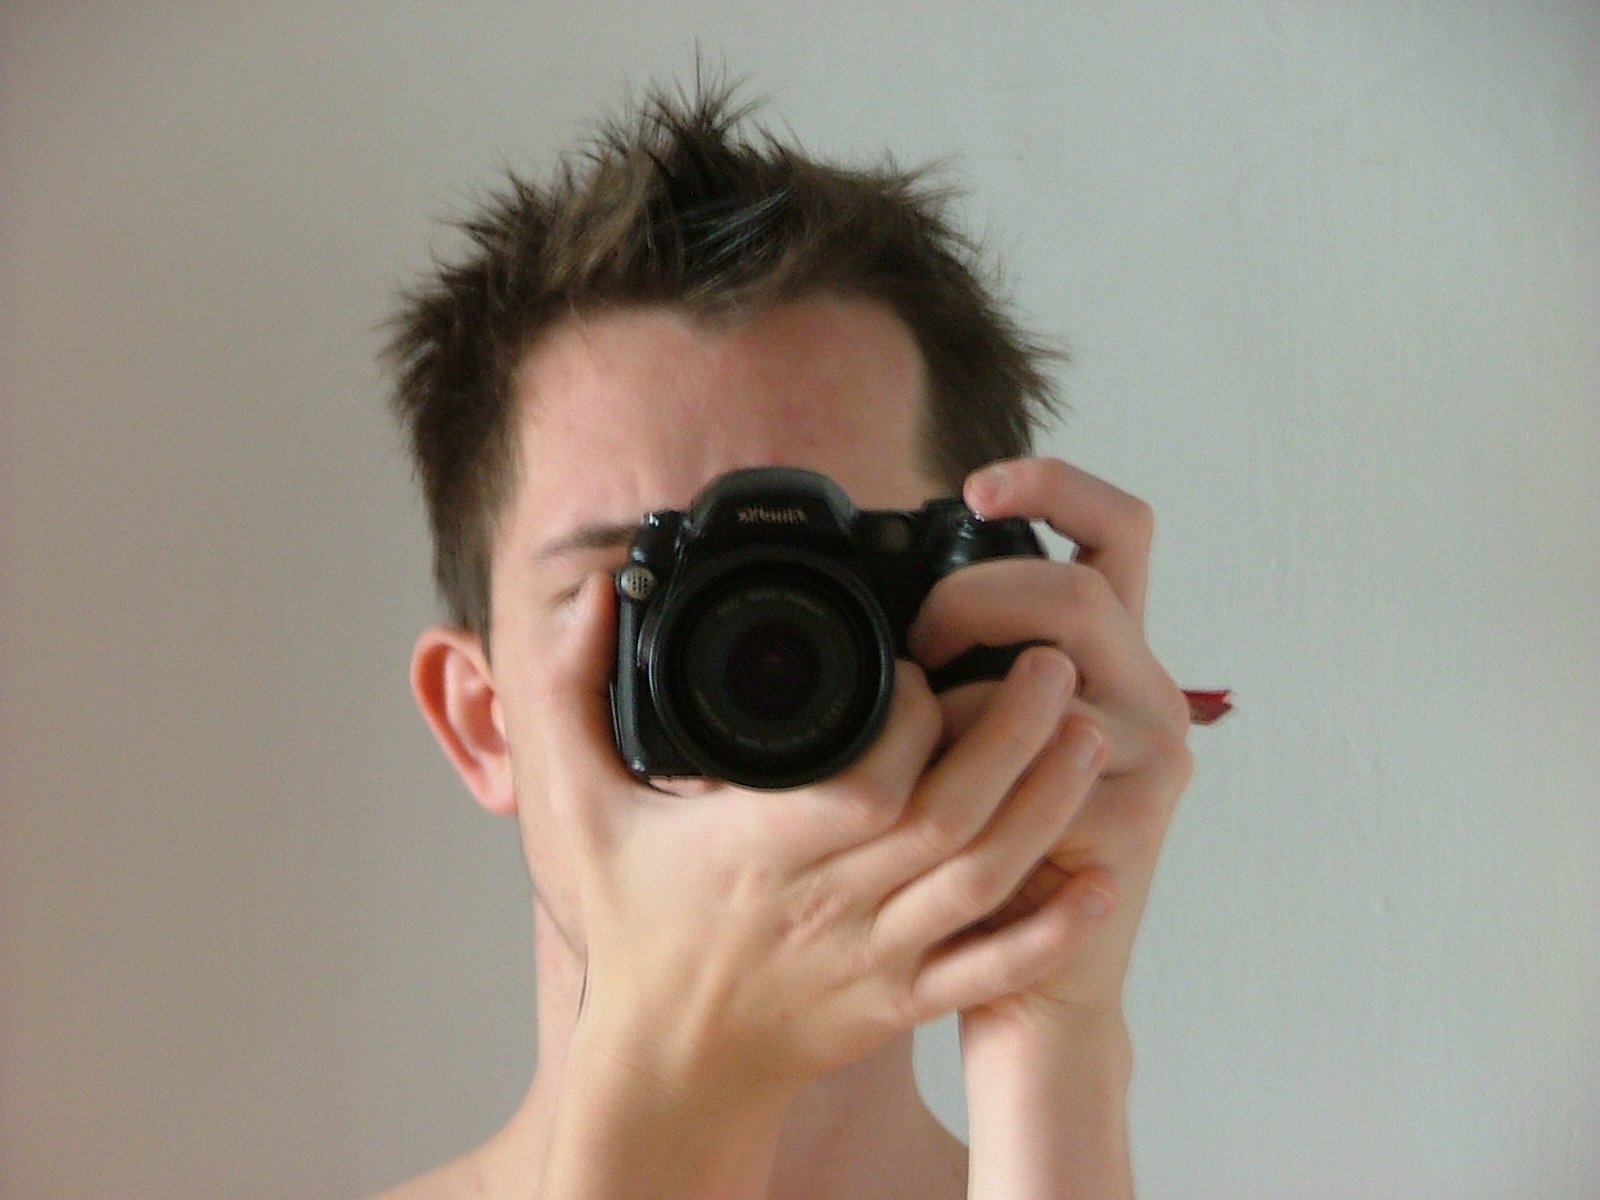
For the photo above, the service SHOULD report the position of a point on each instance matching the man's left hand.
(1092, 609)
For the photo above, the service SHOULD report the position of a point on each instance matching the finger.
(868, 797)
(1044, 882)
(963, 705)
(981, 967)
(981, 879)
(956, 798)
(581, 758)
(897, 756)
(1126, 821)
(1069, 605)
(1129, 742)
(1113, 530)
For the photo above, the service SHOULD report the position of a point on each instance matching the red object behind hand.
(1207, 708)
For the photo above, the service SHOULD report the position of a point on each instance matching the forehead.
(633, 410)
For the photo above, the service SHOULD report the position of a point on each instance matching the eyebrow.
(597, 535)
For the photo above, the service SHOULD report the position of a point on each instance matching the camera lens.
(774, 675)
(773, 670)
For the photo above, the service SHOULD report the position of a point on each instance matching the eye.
(562, 599)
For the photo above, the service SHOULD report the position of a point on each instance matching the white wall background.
(1332, 276)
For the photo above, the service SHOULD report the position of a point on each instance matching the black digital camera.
(757, 630)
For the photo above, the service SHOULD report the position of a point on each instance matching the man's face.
(638, 410)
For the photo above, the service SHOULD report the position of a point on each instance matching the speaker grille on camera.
(637, 583)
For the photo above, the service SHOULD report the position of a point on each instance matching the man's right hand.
(741, 944)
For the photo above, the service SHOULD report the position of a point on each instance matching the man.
(728, 979)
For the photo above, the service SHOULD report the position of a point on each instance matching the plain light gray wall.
(1332, 277)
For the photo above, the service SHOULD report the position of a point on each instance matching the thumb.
(585, 771)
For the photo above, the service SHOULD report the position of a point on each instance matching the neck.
(861, 1133)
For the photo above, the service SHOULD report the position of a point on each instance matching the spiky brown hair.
(675, 206)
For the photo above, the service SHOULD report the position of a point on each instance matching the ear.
(451, 680)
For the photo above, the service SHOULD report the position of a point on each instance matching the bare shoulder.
(458, 1180)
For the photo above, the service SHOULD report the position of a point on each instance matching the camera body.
(757, 629)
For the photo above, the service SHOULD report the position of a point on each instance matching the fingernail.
(1052, 671)
(990, 484)
(1083, 744)
(1095, 901)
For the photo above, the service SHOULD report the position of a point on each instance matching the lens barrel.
(771, 669)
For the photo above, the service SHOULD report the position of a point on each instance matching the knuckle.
(1174, 759)
(1003, 975)
(976, 889)
(907, 1007)
(996, 976)
(941, 833)
(1085, 587)
(1166, 717)
(1139, 517)
(817, 908)
(868, 808)
(1053, 935)
(750, 885)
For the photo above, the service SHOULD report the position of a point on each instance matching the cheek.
(545, 848)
